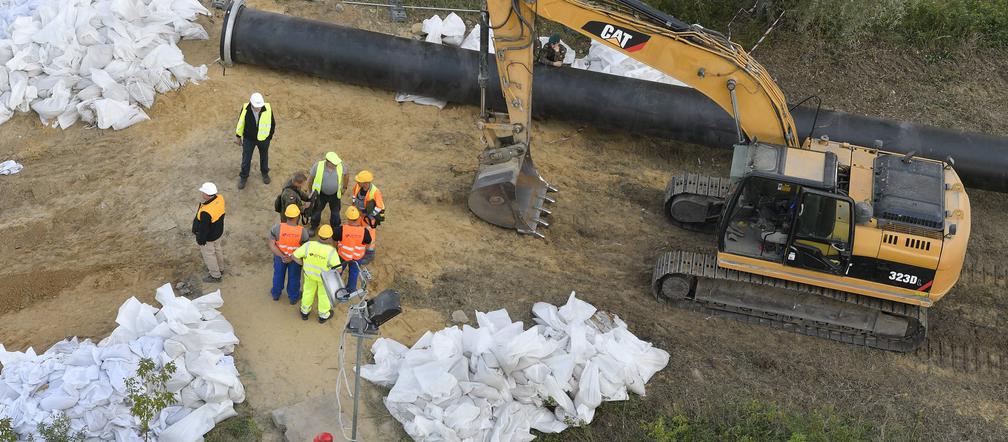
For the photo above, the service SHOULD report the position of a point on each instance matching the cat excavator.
(816, 236)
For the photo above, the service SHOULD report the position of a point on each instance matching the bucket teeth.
(549, 200)
(543, 210)
(550, 188)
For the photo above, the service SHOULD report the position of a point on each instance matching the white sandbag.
(111, 89)
(402, 97)
(472, 41)
(54, 106)
(452, 30)
(433, 27)
(117, 114)
(192, 427)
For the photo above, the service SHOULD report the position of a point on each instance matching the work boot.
(210, 279)
(241, 183)
(266, 179)
(295, 301)
(322, 320)
(304, 316)
(275, 297)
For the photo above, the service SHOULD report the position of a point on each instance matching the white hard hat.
(208, 188)
(257, 100)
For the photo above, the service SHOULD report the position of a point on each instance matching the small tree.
(7, 433)
(58, 431)
(148, 394)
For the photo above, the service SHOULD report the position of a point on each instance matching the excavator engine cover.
(509, 192)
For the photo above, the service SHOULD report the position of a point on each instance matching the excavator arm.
(509, 191)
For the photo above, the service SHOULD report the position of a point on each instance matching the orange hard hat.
(324, 437)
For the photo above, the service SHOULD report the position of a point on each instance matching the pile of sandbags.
(87, 382)
(499, 381)
(93, 60)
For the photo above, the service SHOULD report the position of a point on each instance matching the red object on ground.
(324, 437)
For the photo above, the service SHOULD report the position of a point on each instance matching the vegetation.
(749, 422)
(855, 22)
(148, 393)
(236, 429)
(58, 431)
(7, 433)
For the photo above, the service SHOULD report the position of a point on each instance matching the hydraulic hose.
(641, 107)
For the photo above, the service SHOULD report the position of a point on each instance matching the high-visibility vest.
(373, 194)
(289, 238)
(214, 208)
(265, 122)
(318, 258)
(351, 245)
(316, 184)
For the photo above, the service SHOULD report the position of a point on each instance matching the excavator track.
(694, 201)
(677, 269)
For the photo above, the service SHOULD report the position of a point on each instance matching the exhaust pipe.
(383, 61)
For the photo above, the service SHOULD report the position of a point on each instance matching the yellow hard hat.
(333, 158)
(352, 213)
(365, 177)
(325, 232)
(292, 211)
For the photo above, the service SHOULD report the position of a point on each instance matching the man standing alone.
(328, 183)
(208, 226)
(284, 239)
(256, 125)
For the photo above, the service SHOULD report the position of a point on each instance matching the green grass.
(851, 23)
(753, 421)
(239, 428)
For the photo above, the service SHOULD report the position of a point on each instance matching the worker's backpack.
(278, 203)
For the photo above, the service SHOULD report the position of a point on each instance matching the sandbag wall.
(378, 60)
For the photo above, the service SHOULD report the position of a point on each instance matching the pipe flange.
(230, 17)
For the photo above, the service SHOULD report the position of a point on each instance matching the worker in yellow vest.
(354, 238)
(329, 182)
(256, 125)
(284, 239)
(316, 257)
(208, 226)
(368, 200)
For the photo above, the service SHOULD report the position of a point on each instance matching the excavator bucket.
(509, 192)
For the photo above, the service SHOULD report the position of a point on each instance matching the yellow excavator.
(815, 236)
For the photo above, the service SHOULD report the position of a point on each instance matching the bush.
(58, 431)
(147, 393)
(7, 433)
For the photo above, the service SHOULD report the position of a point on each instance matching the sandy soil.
(97, 216)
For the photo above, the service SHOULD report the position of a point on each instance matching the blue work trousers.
(352, 271)
(293, 272)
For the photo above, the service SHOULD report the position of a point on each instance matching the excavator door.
(508, 191)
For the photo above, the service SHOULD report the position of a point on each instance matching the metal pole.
(356, 388)
(484, 71)
(734, 105)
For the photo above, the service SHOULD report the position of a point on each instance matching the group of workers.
(339, 245)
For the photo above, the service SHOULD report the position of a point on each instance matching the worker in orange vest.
(284, 239)
(368, 200)
(354, 238)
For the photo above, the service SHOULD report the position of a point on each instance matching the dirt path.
(97, 216)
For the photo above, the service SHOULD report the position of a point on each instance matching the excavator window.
(822, 234)
(760, 219)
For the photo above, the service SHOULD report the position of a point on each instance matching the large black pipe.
(378, 60)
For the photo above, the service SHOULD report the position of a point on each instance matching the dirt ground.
(98, 216)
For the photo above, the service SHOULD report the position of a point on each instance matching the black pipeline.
(383, 61)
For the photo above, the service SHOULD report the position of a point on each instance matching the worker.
(284, 239)
(293, 193)
(368, 200)
(315, 258)
(208, 226)
(256, 125)
(553, 53)
(328, 184)
(354, 238)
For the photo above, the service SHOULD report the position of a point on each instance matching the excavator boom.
(509, 191)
